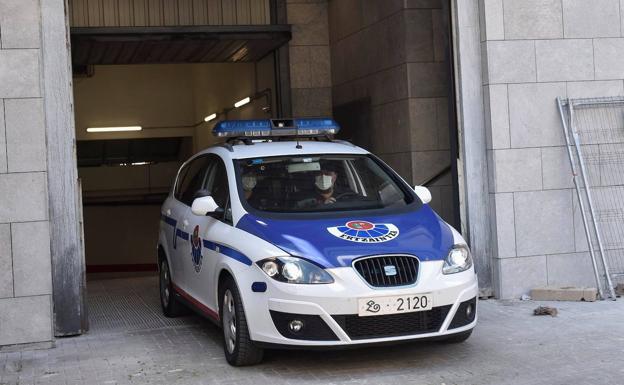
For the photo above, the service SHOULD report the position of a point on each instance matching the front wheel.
(237, 345)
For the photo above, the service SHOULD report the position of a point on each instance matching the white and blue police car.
(287, 238)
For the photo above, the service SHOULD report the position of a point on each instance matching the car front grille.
(388, 270)
(393, 325)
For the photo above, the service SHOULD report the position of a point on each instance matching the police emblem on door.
(196, 249)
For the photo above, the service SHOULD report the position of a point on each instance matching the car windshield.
(318, 183)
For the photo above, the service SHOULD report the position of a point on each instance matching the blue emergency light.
(276, 127)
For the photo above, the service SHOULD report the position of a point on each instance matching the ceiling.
(166, 45)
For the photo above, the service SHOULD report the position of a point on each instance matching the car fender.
(243, 276)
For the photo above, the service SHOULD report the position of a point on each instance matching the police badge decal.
(365, 232)
(196, 249)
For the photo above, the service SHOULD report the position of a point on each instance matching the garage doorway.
(146, 99)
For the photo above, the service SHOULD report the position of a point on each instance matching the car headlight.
(294, 270)
(457, 260)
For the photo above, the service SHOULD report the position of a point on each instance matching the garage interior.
(126, 175)
(168, 70)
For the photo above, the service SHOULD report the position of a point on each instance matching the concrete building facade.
(406, 65)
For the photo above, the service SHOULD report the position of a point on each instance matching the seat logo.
(196, 250)
(390, 270)
(365, 232)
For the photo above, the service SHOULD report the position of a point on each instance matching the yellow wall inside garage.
(168, 101)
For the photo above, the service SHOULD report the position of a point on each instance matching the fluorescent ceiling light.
(242, 102)
(210, 117)
(135, 164)
(114, 129)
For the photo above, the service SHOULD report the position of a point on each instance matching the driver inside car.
(249, 183)
(324, 183)
(324, 190)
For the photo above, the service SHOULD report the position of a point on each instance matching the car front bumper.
(331, 310)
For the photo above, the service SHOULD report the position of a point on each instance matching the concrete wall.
(25, 262)
(393, 53)
(310, 75)
(532, 52)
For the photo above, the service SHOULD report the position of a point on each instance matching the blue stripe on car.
(225, 250)
(182, 234)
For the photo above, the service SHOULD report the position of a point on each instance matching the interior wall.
(127, 95)
(217, 87)
(121, 235)
(405, 84)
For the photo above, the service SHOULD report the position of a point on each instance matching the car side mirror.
(206, 205)
(423, 193)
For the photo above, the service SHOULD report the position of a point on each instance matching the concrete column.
(25, 266)
(310, 77)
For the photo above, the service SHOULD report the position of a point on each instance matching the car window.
(217, 185)
(318, 183)
(191, 180)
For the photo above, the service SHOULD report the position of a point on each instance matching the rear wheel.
(171, 307)
(237, 345)
(458, 338)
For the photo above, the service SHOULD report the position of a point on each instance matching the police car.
(287, 238)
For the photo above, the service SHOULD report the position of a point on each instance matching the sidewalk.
(583, 345)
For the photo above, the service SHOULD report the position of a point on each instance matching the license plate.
(394, 305)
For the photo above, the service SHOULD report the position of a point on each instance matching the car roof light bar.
(276, 128)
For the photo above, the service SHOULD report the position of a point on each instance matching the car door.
(208, 234)
(191, 179)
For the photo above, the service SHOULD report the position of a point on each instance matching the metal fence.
(594, 133)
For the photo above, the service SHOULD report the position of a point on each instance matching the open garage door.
(166, 45)
(146, 99)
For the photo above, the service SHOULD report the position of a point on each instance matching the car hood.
(336, 242)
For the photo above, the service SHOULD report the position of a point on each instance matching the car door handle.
(185, 223)
(168, 212)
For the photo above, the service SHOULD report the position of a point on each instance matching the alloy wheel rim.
(229, 321)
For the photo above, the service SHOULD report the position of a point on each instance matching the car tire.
(458, 338)
(238, 347)
(171, 306)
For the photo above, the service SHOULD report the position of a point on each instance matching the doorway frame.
(64, 192)
(66, 242)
